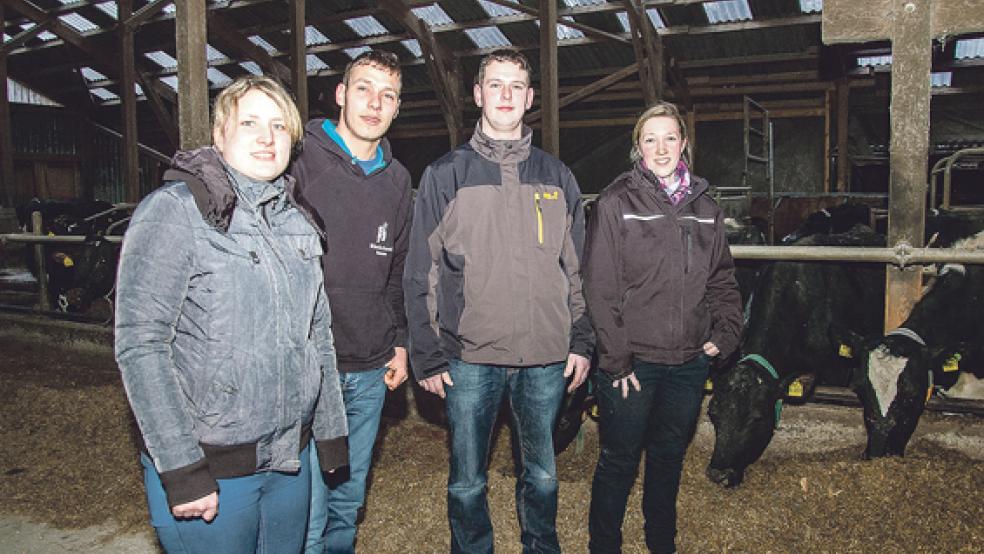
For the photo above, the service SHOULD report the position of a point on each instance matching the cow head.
(745, 411)
(892, 384)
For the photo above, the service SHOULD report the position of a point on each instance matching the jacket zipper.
(539, 217)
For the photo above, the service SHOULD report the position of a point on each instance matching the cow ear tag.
(845, 351)
(708, 386)
(795, 389)
(952, 363)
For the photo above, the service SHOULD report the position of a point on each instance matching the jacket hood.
(204, 171)
(316, 137)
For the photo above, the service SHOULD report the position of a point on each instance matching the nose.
(265, 135)
(727, 477)
(661, 146)
(506, 93)
(375, 102)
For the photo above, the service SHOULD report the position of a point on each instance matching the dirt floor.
(69, 461)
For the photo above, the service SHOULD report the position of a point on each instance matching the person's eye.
(389, 97)
(494, 85)
(247, 123)
(280, 126)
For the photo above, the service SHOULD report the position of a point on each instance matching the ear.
(340, 95)
(218, 138)
(477, 93)
(529, 97)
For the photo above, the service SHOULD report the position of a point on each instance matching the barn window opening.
(623, 19)
(727, 11)
(433, 15)
(312, 36)
(811, 6)
(367, 26)
(487, 37)
(969, 48)
(413, 47)
(262, 43)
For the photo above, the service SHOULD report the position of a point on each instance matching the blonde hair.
(227, 101)
(660, 109)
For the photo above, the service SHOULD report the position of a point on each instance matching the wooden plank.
(138, 18)
(128, 107)
(909, 154)
(550, 110)
(843, 125)
(191, 37)
(20, 38)
(847, 21)
(589, 89)
(7, 175)
(298, 57)
(827, 107)
(646, 80)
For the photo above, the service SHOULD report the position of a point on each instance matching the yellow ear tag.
(795, 389)
(68, 262)
(708, 386)
(51, 233)
(952, 363)
(845, 351)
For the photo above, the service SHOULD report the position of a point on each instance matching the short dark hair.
(382, 59)
(504, 55)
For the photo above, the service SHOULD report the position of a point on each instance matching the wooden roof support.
(137, 18)
(165, 118)
(440, 65)
(843, 122)
(586, 29)
(648, 48)
(190, 30)
(298, 57)
(128, 106)
(228, 39)
(549, 108)
(911, 25)
(23, 36)
(589, 89)
(6, 141)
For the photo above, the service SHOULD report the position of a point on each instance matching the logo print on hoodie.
(379, 246)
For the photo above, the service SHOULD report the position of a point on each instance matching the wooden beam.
(143, 14)
(225, 37)
(843, 123)
(128, 107)
(20, 38)
(165, 118)
(877, 20)
(298, 57)
(7, 185)
(191, 36)
(440, 66)
(589, 89)
(806, 55)
(827, 108)
(646, 79)
(550, 110)
(586, 29)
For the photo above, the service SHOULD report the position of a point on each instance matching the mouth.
(264, 156)
(505, 108)
(369, 120)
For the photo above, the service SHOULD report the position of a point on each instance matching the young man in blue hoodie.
(360, 196)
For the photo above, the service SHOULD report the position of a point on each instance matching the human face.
(369, 103)
(254, 140)
(504, 96)
(661, 143)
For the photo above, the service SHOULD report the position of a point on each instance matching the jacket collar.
(643, 177)
(316, 133)
(502, 151)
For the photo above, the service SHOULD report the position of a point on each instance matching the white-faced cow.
(897, 370)
(787, 334)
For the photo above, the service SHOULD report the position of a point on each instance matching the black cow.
(788, 334)
(895, 376)
(831, 221)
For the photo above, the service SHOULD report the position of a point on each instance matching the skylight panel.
(487, 37)
(103, 94)
(495, 10)
(46, 36)
(217, 78)
(354, 52)
(969, 48)
(162, 59)
(433, 15)
(653, 14)
(727, 11)
(138, 89)
(314, 37)
(212, 53)
(110, 9)
(262, 43)
(171, 81)
(566, 33)
(413, 47)
(367, 26)
(18, 93)
(874, 61)
(90, 74)
(314, 63)
(811, 6)
(170, 9)
(78, 22)
(579, 3)
(941, 79)
(252, 67)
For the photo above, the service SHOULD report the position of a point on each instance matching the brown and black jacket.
(493, 272)
(659, 279)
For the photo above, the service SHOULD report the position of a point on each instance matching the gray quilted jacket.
(223, 330)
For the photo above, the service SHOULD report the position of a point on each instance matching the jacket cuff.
(188, 483)
(724, 344)
(437, 370)
(616, 367)
(332, 453)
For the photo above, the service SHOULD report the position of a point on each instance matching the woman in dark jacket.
(661, 293)
(223, 337)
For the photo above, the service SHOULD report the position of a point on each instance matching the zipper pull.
(254, 256)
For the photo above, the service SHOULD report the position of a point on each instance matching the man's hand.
(435, 383)
(396, 372)
(206, 508)
(577, 365)
(624, 383)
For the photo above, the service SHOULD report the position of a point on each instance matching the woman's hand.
(206, 508)
(711, 349)
(625, 382)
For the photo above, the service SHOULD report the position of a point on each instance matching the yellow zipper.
(539, 217)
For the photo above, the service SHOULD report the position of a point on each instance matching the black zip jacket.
(366, 220)
(658, 278)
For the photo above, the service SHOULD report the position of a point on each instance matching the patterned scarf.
(683, 176)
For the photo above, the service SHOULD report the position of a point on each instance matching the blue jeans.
(335, 505)
(264, 512)
(660, 419)
(473, 403)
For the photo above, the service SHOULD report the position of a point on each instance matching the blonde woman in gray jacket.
(223, 337)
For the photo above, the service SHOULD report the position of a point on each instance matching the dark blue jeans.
(660, 419)
(473, 403)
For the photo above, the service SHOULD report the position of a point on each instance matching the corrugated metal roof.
(487, 37)
(314, 63)
(313, 37)
(20, 94)
(110, 9)
(217, 78)
(727, 11)
(653, 13)
(90, 74)
(367, 26)
(354, 52)
(171, 81)
(969, 48)
(495, 10)
(212, 53)
(579, 3)
(103, 94)
(433, 15)
(412, 46)
(941, 79)
(566, 33)
(252, 67)
(78, 22)
(873, 61)
(162, 59)
(262, 43)
(811, 6)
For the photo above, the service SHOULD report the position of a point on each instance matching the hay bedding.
(68, 459)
